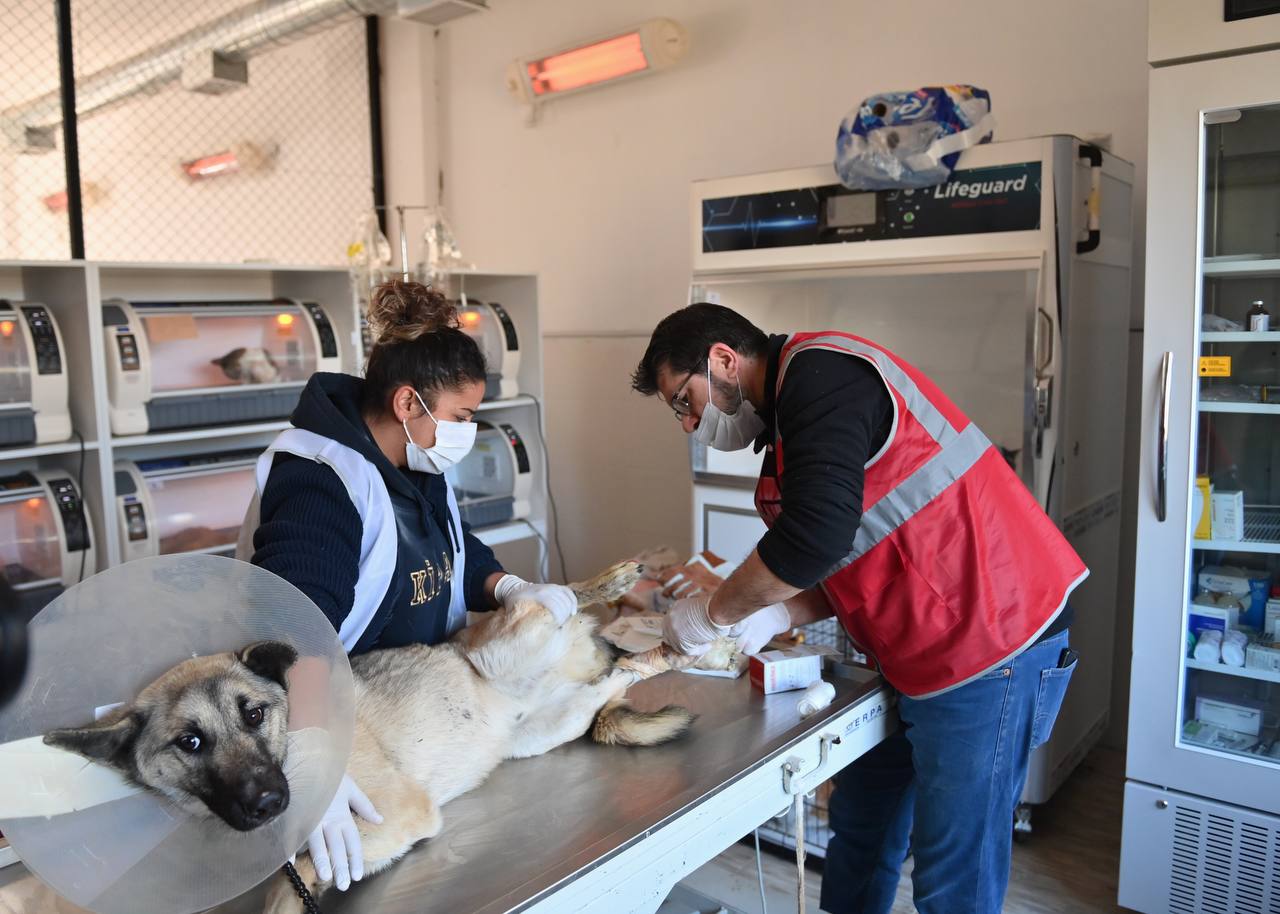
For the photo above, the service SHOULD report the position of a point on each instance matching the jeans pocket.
(1053, 688)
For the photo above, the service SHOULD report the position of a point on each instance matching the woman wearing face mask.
(353, 508)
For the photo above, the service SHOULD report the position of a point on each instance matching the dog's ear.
(109, 740)
(269, 659)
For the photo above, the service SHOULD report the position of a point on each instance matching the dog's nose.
(267, 803)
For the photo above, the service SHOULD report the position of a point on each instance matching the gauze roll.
(816, 697)
(1233, 647)
(1209, 646)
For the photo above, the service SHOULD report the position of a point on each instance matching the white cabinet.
(1203, 728)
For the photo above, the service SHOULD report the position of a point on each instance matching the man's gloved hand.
(688, 627)
(761, 627)
(335, 844)
(559, 599)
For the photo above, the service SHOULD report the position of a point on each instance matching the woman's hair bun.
(402, 311)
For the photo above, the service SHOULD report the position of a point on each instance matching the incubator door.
(15, 366)
(201, 348)
(200, 512)
(30, 548)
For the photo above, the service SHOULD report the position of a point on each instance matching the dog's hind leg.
(565, 719)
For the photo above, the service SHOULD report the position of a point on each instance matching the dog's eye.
(253, 717)
(188, 742)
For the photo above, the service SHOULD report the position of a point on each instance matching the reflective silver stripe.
(916, 491)
(928, 415)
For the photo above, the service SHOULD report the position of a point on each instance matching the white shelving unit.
(1226, 406)
(75, 291)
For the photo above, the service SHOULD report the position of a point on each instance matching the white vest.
(379, 541)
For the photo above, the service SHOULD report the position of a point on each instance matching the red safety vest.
(954, 568)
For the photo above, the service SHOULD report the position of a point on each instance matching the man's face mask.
(730, 431)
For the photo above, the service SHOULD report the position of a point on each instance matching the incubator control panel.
(517, 445)
(136, 521)
(44, 338)
(71, 507)
(1001, 198)
(128, 347)
(508, 327)
(324, 329)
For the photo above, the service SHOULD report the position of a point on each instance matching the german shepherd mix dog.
(210, 734)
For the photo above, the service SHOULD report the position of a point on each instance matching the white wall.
(594, 198)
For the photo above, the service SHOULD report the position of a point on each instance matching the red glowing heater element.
(470, 318)
(655, 45)
(222, 163)
(595, 63)
(244, 156)
(284, 320)
(6, 328)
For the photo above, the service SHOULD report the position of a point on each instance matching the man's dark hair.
(683, 339)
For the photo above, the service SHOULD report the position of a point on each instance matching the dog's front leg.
(283, 898)
(563, 721)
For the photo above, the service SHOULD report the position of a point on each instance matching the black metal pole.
(374, 60)
(70, 140)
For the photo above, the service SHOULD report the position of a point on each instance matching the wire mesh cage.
(33, 200)
(781, 830)
(214, 132)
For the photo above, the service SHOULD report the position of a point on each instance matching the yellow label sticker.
(1215, 366)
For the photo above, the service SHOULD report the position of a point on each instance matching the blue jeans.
(946, 783)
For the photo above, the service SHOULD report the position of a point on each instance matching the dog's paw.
(609, 585)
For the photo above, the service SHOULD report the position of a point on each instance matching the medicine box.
(1228, 514)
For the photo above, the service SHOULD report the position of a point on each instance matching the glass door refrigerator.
(1202, 798)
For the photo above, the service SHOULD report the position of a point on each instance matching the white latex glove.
(335, 844)
(559, 599)
(761, 627)
(688, 627)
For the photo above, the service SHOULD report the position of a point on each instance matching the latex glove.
(335, 844)
(559, 599)
(761, 627)
(689, 580)
(688, 627)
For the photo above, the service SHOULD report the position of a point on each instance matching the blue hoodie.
(310, 531)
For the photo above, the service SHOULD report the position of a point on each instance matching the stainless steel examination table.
(610, 830)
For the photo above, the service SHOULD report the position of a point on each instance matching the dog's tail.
(619, 724)
(609, 585)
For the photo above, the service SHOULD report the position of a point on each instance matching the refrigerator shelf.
(1230, 406)
(1261, 533)
(1241, 671)
(1240, 336)
(1243, 265)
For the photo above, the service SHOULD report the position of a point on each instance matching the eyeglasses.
(679, 403)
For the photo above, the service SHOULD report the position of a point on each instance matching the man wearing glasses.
(889, 509)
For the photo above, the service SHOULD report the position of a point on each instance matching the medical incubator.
(185, 364)
(183, 504)
(33, 376)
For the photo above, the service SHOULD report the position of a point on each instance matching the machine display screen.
(974, 201)
(848, 210)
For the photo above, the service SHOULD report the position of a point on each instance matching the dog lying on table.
(210, 734)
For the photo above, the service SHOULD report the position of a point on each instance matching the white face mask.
(727, 432)
(453, 442)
